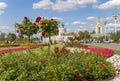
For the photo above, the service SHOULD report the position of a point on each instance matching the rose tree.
(27, 28)
(48, 27)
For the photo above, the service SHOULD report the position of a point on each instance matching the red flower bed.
(102, 51)
(16, 49)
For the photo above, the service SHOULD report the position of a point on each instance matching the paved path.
(106, 45)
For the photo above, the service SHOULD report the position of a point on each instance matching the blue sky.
(76, 14)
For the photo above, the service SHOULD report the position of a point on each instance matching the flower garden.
(68, 62)
(65, 64)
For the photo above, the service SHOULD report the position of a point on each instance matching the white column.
(115, 25)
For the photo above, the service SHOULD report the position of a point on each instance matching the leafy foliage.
(11, 37)
(83, 35)
(48, 26)
(64, 66)
(115, 36)
(26, 27)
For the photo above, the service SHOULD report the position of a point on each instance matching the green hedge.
(8, 45)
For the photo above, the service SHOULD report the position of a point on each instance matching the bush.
(62, 66)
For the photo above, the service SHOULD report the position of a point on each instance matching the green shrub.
(75, 43)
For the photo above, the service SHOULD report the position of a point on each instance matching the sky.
(77, 15)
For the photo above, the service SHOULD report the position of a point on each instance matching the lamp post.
(115, 16)
(105, 22)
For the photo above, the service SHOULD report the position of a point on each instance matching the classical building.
(98, 28)
(61, 37)
(62, 30)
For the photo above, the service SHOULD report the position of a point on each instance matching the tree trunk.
(49, 46)
(29, 44)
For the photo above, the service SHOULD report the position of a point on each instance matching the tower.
(62, 30)
(98, 28)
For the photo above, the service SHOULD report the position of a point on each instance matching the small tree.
(27, 28)
(48, 27)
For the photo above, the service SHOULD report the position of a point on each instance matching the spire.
(62, 25)
(98, 20)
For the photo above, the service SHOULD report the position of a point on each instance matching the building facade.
(98, 28)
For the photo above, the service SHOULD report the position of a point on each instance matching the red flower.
(42, 23)
(17, 31)
(78, 77)
(46, 63)
(41, 80)
(34, 24)
(21, 31)
(25, 18)
(41, 61)
(56, 49)
(43, 33)
(57, 30)
(101, 66)
(37, 19)
(64, 51)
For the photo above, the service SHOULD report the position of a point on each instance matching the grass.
(115, 51)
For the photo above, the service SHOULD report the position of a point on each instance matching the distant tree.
(115, 36)
(86, 35)
(93, 32)
(11, 37)
(83, 35)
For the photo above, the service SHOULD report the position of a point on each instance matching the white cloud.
(58, 18)
(45, 4)
(1, 12)
(78, 23)
(112, 25)
(85, 2)
(62, 5)
(109, 19)
(110, 4)
(92, 18)
(3, 5)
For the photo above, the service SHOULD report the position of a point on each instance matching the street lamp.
(105, 22)
(115, 16)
